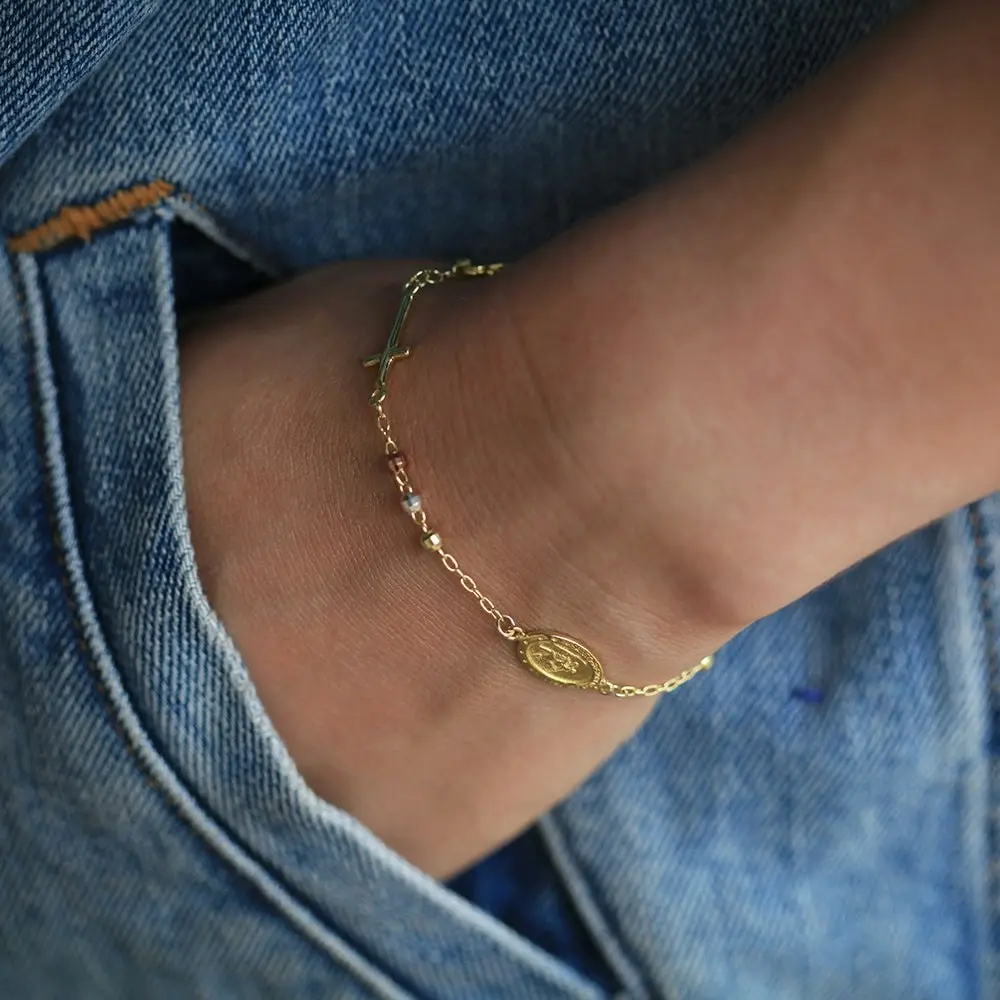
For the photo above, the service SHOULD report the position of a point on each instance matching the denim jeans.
(156, 840)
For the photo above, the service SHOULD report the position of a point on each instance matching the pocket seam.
(584, 900)
(150, 763)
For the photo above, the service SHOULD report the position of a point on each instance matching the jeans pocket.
(102, 321)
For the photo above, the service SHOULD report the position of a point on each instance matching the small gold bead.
(431, 541)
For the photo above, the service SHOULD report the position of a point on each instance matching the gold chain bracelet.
(557, 658)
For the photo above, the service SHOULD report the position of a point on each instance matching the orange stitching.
(82, 221)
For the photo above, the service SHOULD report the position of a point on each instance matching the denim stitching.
(82, 221)
(372, 977)
(984, 573)
(59, 550)
(581, 892)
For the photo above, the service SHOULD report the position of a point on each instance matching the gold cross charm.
(387, 357)
(391, 352)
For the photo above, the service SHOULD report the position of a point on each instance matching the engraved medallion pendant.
(560, 659)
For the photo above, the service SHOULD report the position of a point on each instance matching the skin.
(780, 361)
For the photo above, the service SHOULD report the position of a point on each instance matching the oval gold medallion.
(560, 659)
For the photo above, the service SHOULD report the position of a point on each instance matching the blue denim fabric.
(47, 49)
(519, 885)
(155, 838)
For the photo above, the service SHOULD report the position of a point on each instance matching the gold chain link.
(506, 625)
(413, 504)
(651, 690)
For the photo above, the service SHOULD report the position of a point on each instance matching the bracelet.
(557, 658)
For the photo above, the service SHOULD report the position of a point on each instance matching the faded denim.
(156, 840)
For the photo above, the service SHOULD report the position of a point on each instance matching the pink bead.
(397, 461)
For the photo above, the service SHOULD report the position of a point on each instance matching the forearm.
(792, 347)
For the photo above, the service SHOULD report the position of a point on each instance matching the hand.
(395, 695)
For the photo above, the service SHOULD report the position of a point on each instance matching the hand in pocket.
(391, 688)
